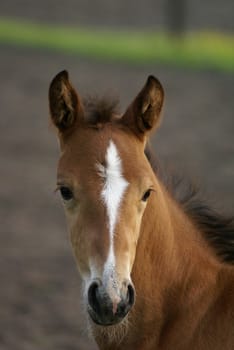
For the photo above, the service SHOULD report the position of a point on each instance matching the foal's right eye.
(66, 193)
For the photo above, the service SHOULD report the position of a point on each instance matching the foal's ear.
(144, 112)
(65, 106)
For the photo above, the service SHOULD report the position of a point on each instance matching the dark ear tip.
(151, 79)
(154, 81)
(63, 75)
(58, 80)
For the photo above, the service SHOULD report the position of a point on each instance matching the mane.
(216, 228)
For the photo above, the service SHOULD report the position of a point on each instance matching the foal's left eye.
(146, 195)
(66, 193)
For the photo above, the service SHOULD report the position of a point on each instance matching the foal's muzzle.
(103, 309)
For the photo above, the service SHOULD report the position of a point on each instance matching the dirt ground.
(40, 303)
(200, 14)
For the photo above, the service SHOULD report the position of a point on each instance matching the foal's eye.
(146, 195)
(66, 193)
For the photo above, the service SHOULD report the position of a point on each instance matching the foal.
(154, 268)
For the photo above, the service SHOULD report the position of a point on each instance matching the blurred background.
(108, 48)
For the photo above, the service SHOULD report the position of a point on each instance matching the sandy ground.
(40, 303)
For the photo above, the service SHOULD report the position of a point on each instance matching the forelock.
(100, 110)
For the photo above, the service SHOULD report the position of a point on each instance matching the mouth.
(106, 318)
(112, 331)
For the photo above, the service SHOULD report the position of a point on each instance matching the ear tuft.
(64, 102)
(144, 113)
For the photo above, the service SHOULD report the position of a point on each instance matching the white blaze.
(112, 194)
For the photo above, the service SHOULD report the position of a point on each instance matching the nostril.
(93, 296)
(130, 295)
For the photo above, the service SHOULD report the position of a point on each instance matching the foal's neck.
(175, 270)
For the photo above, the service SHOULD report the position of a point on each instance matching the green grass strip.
(196, 50)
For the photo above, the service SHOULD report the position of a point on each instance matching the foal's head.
(105, 181)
